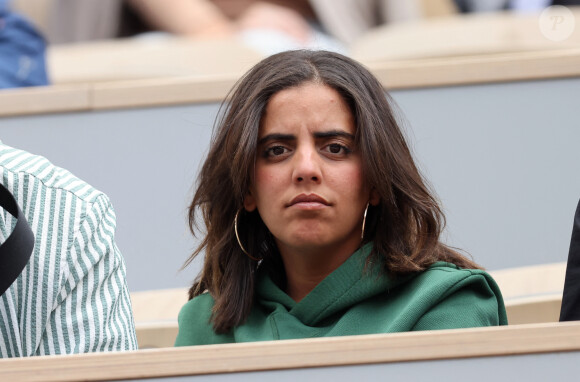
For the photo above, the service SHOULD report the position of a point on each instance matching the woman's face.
(308, 184)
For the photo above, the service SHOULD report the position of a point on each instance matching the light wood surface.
(536, 309)
(447, 51)
(158, 305)
(460, 35)
(532, 294)
(51, 99)
(489, 68)
(531, 281)
(355, 350)
(157, 92)
(148, 58)
(155, 335)
(155, 313)
(518, 66)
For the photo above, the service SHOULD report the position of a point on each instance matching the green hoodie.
(355, 299)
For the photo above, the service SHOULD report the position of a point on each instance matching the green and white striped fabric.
(72, 296)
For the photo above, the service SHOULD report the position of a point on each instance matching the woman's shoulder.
(444, 270)
(194, 319)
(458, 297)
(197, 310)
(443, 279)
(443, 275)
(200, 303)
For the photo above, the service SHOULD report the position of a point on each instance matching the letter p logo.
(557, 23)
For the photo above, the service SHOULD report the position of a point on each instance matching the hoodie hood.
(354, 281)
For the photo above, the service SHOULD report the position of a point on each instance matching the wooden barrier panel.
(532, 294)
(153, 335)
(502, 343)
(530, 281)
(143, 58)
(214, 86)
(155, 314)
(474, 34)
(477, 69)
(528, 310)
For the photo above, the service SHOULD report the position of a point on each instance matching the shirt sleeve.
(93, 309)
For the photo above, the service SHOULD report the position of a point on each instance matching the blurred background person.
(22, 51)
(276, 25)
(268, 25)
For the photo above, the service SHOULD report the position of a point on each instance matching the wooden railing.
(299, 354)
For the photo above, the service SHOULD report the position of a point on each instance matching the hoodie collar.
(352, 282)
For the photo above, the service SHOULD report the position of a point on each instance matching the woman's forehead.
(314, 105)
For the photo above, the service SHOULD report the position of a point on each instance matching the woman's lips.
(311, 201)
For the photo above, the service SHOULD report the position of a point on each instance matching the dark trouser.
(571, 298)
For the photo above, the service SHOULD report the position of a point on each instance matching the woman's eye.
(276, 151)
(335, 148)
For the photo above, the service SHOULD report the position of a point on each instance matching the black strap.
(16, 250)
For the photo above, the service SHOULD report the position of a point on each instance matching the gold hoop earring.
(362, 235)
(238, 237)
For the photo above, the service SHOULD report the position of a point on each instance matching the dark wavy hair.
(404, 227)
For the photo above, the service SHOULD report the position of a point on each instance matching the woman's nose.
(307, 166)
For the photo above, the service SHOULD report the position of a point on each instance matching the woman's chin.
(305, 241)
(313, 242)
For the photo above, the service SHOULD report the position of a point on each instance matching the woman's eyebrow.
(276, 137)
(333, 134)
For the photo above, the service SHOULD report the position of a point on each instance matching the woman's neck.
(306, 269)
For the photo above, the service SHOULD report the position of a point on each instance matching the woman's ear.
(374, 198)
(249, 202)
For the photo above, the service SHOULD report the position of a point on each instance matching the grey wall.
(502, 158)
(146, 161)
(529, 368)
(505, 161)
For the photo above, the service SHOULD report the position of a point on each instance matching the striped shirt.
(72, 296)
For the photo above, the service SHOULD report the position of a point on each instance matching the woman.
(318, 221)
